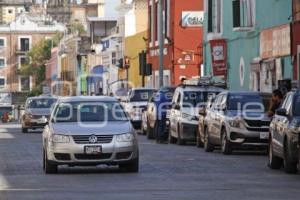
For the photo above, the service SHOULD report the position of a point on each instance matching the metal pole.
(161, 43)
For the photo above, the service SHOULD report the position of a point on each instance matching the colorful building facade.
(182, 29)
(246, 44)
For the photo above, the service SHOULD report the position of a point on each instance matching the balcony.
(21, 51)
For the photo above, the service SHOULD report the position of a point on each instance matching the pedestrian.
(275, 103)
(161, 114)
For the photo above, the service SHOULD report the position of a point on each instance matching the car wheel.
(274, 161)
(208, 146)
(225, 143)
(133, 166)
(172, 140)
(180, 141)
(149, 132)
(24, 130)
(290, 166)
(200, 144)
(49, 168)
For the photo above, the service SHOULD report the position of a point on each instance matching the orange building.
(183, 32)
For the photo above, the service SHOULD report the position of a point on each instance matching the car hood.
(74, 128)
(190, 111)
(38, 111)
(249, 115)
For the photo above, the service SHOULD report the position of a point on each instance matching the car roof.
(87, 99)
(198, 88)
(141, 88)
(245, 92)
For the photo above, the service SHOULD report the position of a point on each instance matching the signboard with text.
(192, 18)
(219, 57)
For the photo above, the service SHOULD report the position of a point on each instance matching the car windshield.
(89, 112)
(41, 103)
(245, 101)
(141, 95)
(196, 97)
(297, 105)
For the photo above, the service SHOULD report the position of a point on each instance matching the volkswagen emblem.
(93, 139)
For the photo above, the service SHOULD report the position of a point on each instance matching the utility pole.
(161, 43)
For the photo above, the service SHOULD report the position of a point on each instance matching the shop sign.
(219, 57)
(192, 18)
(275, 42)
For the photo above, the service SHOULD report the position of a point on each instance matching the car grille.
(101, 156)
(257, 123)
(258, 129)
(84, 139)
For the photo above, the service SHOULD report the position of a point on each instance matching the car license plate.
(264, 135)
(92, 149)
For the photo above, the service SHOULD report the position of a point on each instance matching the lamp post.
(161, 43)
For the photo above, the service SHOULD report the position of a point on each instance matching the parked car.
(165, 93)
(184, 113)
(201, 123)
(284, 134)
(136, 102)
(235, 120)
(89, 131)
(37, 111)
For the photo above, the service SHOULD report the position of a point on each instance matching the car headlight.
(60, 138)
(127, 137)
(236, 122)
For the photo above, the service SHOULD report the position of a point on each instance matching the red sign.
(219, 57)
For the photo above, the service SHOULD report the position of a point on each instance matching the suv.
(37, 112)
(136, 102)
(237, 119)
(183, 115)
(151, 112)
(284, 134)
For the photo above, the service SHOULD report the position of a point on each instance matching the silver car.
(89, 131)
(37, 112)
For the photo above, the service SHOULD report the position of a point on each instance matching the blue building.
(247, 42)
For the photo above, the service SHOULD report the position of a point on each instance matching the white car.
(89, 131)
(136, 102)
(184, 114)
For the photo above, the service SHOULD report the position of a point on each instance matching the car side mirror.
(281, 112)
(177, 107)
(202, 111)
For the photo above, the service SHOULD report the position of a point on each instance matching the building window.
(243, 14)
(2, 62)
(114, 58)
(151, 21)
(2, 42)
(24, 83)
(214, 16)
(23, 61)
(24, 44)
(10, 11)
(2, 82)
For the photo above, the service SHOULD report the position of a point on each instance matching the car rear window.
(140, 95)
(245, 101)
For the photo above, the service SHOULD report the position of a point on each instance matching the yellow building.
(133, 46)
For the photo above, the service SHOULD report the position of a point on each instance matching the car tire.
(149, 132)
(24, 130)
(290, 167)
(180, 141)
(199, 142)
(171, 139)
(274, 161)
(132, 167)
(208, 146)
(225, 143)
(49, 168)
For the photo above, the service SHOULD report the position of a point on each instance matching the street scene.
(149, 99)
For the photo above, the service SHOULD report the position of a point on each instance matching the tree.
(39, 55)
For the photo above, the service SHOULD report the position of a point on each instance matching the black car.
(284, 134)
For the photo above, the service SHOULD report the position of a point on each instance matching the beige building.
(10, 9)
(16, 39)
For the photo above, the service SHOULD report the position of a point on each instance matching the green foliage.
(77, 27)
(39, 55)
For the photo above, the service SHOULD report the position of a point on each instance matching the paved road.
(166, 172)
